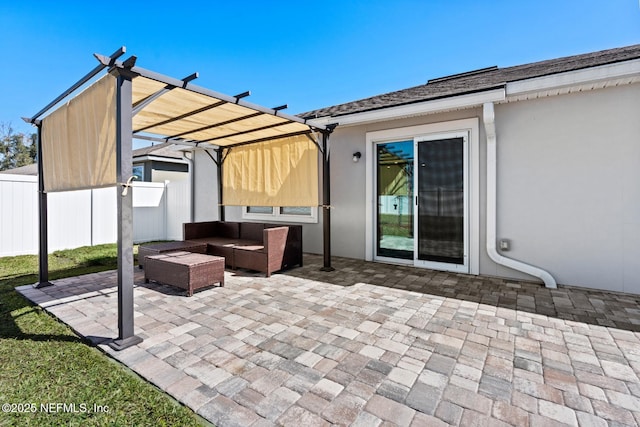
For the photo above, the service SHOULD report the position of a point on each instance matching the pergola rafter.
(171, 110)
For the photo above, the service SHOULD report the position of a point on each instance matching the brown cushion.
(216, 241)
(227, 229)
(249, 245)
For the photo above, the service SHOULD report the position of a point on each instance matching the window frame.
(277, 216)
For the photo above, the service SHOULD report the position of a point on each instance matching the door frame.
(471, 127)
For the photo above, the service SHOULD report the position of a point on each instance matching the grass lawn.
(396, 225)
(43, 362)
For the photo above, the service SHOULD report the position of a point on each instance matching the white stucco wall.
(569, 186)
(173, 176)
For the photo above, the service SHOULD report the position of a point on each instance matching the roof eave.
(621, 72)
(431, 106)
(151, 157)
(600, 73)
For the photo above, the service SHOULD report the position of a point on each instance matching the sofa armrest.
(275, 240)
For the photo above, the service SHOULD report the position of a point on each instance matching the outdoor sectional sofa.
(255, 246)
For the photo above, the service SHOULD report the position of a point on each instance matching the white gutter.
(592, 75)
(488, 116)
(159, 159)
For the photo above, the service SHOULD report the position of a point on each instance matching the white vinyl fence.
(87, 217)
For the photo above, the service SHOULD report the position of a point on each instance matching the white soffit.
(574, 81)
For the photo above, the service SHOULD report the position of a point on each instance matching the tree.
(16, 149)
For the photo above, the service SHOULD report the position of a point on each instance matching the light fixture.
(356, 156)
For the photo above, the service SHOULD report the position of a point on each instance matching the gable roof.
(477, 81)
(31, 169)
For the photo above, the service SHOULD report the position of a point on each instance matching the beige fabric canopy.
(195, 116)
(282, 172)
(79, 141)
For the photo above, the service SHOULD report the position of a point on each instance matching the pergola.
(87, 143)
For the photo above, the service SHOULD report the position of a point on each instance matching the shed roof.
(165, 149)
(478, 80)
(31, 169)
(159, 150)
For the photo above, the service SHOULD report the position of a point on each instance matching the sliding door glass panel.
(394, 171)
(441, 201)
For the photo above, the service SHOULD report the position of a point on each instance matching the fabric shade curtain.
(79, 140)
(282, 172)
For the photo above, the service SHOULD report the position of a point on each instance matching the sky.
(307, 54)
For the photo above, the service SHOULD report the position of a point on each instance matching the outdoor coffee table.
(160, 248)
(185, 270)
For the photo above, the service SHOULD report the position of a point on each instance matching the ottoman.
(185, 270)
(160, 248)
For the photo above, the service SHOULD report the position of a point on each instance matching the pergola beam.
(105, 61)
(244, 132)
(203, 91)
(183, 116)
(164, 139)
(269, 138)
(215, 125)
(139, 106)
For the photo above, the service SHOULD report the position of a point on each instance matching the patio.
(372, 344)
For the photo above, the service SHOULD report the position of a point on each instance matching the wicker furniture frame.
(185, 270)
(256, 246)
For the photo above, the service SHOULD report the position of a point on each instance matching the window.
(138, 172)
(281, 214)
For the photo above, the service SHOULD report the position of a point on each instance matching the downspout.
(488, 116)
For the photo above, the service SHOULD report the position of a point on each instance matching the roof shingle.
(479, 80)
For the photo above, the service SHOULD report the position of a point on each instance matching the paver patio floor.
(373, 345)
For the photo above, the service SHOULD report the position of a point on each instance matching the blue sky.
(306, 54)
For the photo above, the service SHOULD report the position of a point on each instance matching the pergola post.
(124, 170)
(219, 161)
(43, 249)
(326, 203)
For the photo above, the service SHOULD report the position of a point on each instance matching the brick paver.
(372, 344)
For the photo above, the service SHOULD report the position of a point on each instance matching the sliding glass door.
(395, 225)
(440, 183)
(422, 201)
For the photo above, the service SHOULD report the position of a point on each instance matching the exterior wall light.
(356, 156)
